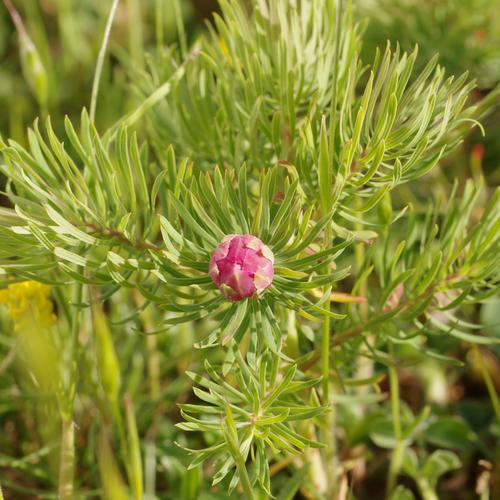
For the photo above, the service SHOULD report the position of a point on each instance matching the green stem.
(330, 454)
(359, 328)
(153, 360)
(75, 332)
(488, 382)
(395, 409)
(359, 254)
(149, 468)
(364, 363)
(325, 356)
(329, 430)
(135, 35)
(232, 441)
(292, 339)
(68, 31)
(67, 455)
(395, 466)
(134, 459)
(397, 454)
(67, 464)
(159, 23)
(244, 478)
(180, 28)
(325, 345)
(100, 59)
(425, 490)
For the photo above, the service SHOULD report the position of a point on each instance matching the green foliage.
(272, 124)
(260, 412)
(54, 56)
(465, 33)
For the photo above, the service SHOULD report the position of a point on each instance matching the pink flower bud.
(241, 267)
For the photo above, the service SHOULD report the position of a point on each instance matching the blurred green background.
(66, 37)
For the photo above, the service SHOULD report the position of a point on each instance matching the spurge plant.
(270, 234)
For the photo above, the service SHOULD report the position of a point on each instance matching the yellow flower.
(28, 301)
(223, 48)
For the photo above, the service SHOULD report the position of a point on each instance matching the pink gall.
(242, 267)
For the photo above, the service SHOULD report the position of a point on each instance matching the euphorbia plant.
(264, 219)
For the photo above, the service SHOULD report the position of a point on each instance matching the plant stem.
(364, 364)
(330, 454)
(75, 332)
(150, 468)
(135, 35)
(154, 372)
(68, 31)
(361, 327)
(325, 346)
(153, 357)
(100, 59)
(159, 6)
(245, 480)
(425, 490)
(67, 460)
(67, 465)
(488, 382)
(180, 28)
(397, 454)
(395, 409)
(134, 459)
(329, 430)
(292, 339)
(154, 379)
(231, 436)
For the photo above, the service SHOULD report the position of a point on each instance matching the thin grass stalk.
(425, 489)
(67, 465)
(292, 339)
(67, 460)
(159, 31)
(149, 468)
(234, 447)
(331, 460)
(180, 28)
(488, 381)
(244, 478)
(134, 459)
(397, 453)
(135, 34)
(330, 455)
(100, 59)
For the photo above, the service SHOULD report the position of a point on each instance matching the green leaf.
(70, 256)
(68, 227)
(237, 316)
(450, 432)
(325, 170)
(292, 485)
(439, 463)
(402, 493)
